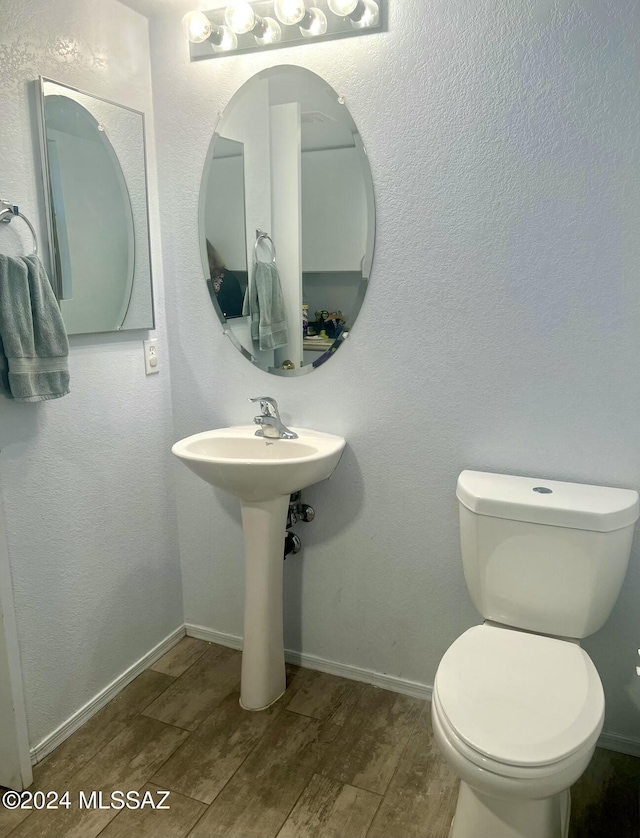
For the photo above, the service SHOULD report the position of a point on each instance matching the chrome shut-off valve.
(298, 511)
(292, 544)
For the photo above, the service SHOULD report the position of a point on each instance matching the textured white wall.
(85, 480)
(501, 330)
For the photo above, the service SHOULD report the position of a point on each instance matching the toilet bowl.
(517, 703)
(517, 717)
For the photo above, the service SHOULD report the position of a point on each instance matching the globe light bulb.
(224, 40)
(290, 12)
(342, 8)
(369, 17)
(197, 27)
(317, 24)
(240, 17)
(271, 32)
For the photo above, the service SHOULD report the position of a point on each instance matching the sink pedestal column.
(263, 674)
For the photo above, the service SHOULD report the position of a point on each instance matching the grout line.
(313, 773)
(150, 702)
(404, 751)
(175, 678)
(248, 755)
(144, 782)
(231, 776)
(297, 800)
(208, 645)
(207, 806)
(192, 732)
(378, 807)
(381, 795)
(169, 724)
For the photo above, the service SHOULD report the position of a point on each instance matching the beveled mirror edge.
(46, 180)
(367, 262)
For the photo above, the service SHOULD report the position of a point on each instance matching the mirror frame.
(46, 181)
(367, 262)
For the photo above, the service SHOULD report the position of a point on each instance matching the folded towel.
(264, 302)
(34, 344)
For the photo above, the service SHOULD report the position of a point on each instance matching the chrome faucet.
(270, 421)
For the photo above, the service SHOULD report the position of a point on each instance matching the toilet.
(518, 705)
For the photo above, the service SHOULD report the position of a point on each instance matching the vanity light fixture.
(271, 32)
(199, 29)
(241, 19)
(366, 14)
(248, 25)
(312, 22)
(290, 12)
(361, 13)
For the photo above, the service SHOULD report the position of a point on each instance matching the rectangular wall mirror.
(95, 190)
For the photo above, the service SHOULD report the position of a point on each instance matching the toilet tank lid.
(552, 502)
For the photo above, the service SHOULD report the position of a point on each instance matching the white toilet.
(517, 703)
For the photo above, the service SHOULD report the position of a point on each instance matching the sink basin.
(262, 473)
(255, 468)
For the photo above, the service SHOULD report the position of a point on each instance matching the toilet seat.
(519, 700)
(530, 775)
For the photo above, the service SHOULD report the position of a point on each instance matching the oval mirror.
(287, 220)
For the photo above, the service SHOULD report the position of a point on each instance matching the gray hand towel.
(33, 341)
(265, 303)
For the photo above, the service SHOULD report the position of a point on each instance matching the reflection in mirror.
(287, 220)
(227, 259)
(96, 197)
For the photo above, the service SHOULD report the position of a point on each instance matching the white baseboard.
(611, 741)
(621, 744)
(345, 670)
(233, 641)
(40, 751)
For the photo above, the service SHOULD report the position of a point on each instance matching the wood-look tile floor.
(331, 759)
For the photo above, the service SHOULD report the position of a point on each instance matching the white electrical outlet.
(151, 356)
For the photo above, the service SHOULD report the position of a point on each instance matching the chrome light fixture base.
(337, 26)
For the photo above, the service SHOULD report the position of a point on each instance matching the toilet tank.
(543, 555)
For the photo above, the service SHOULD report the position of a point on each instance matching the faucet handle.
(268, 405)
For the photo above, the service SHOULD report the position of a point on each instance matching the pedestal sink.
(263, 473)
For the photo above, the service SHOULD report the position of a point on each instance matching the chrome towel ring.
(9, 211)
(262, 236)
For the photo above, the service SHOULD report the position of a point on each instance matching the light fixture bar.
(242, 27)
(358, 12)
